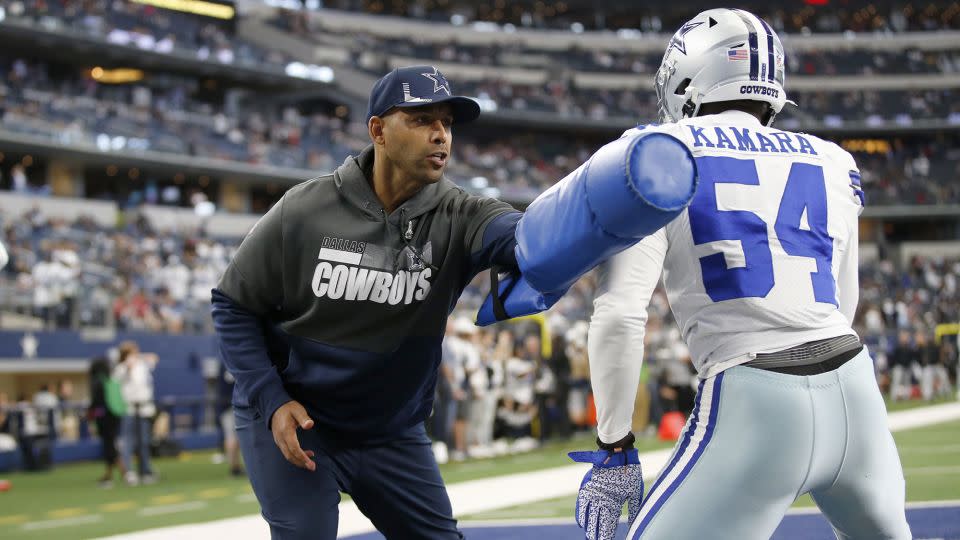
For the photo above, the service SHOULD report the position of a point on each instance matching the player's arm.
(615, 338)
(615, 346)
(848, 274)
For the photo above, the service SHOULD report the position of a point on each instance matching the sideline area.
(478, 496)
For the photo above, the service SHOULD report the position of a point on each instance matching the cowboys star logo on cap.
(418, 86)
(439, 81)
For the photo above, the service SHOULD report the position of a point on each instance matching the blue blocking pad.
(519, 299)
(629, 189)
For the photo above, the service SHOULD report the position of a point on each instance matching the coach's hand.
(615, 479)
(290, 416)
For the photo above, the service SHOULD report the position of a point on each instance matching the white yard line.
(65, 522)
(493, 493)
(172, 508)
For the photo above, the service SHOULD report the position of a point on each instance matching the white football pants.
(757, 440)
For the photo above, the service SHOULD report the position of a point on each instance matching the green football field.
(66, 503)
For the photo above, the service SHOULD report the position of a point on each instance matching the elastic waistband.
(811, 358)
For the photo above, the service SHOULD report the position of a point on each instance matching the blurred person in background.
(928, 358)
(134, 371)
(464, 358)
(448, 393)
(560, 365)
(677, 376)
(545, 388)
(518, 406)
(69, 429)
(8, 442)
(47, 406)
(31, 436)
(946, 357)
(901, 362)
(578, 399)
(4, 256)
(228, 424)
(106, 410)
(477, 384)
(487, 406)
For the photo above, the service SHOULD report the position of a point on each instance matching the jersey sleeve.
(848, 278)
(615, 339)
(254, 278)
(490, 233)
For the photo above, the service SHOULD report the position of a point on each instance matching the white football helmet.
(720, 55)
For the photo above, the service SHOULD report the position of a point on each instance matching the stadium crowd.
(853, 16)
(367, 46)
(146, 27)
(165, 114)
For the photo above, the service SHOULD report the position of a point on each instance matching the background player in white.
(761, 274)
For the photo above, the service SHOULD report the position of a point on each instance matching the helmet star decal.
(439, 81)
(678, 39)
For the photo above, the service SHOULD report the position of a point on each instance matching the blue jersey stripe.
(857, 186)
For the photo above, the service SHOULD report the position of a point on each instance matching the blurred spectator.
(464, 360)
(887, 18)
(134, 371)
(902, 356)
(8, 440)
(33, 440)
(106, 411)
(227, 422)
(578, 400)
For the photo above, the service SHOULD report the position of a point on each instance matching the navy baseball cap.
(416, 86)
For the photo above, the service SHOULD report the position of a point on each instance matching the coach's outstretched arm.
(629, 189)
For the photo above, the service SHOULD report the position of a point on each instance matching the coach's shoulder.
(313, 186)
(309, 193)
(462, 208)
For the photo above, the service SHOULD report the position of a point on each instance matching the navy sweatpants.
(397, 485)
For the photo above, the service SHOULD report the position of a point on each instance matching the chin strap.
(691, 102)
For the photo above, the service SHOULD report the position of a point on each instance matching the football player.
(761, 274)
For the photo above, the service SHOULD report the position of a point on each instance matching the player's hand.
(615, 479)
(290, 416)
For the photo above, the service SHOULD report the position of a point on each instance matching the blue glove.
(615, 479)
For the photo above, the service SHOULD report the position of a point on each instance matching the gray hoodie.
(334, 303)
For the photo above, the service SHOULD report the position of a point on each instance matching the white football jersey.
(764, 258)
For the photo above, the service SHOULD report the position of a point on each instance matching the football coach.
(332, 312)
